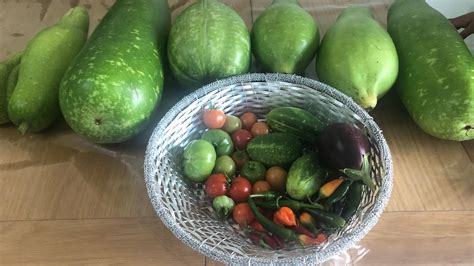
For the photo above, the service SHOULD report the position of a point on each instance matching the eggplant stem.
(362, 174)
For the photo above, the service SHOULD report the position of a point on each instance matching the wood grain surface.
(64, 200)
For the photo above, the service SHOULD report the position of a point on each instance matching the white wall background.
(454, 8)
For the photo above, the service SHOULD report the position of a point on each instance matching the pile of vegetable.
(108, 87)
(283, 178)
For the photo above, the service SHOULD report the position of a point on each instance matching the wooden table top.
(64, 200)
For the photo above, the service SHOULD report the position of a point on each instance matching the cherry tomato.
(232, 124)
(259, 128)
(260, 187)
(216, 185)
(242, 214)
(241, 138)
(214, 118)
(240, 189)
(248, 119)
(276, 177)
(240, 158)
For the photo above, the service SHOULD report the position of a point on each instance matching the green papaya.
(33, 105)
(436, 80)
(208, 41)
(6, 67)
(285, 37)
(113, 87)
(358, 57)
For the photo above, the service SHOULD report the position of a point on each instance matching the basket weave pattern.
(183, 206)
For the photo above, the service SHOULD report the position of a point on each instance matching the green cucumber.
(436, 80)
(304, 177)
(6, 67)
(295, 121)
(275, 149)
(285, 37)
(358, 57)
(208, 41)
(114, 85)
(33, 105)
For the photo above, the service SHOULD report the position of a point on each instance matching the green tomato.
(220, 140)
(223, 206)
(199, 160)
(253, 171)
(232, 124)
(225, 165)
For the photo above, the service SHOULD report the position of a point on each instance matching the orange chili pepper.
(327, 189)
(308, 221)
(284, 216)
(305, 240)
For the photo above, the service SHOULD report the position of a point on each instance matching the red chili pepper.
(284, 216)
(257, 226)
(300, 229)
(266, 241)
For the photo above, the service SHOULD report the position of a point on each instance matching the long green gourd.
(6, 67)
(33, 105)
(436, 79)
(114, 85)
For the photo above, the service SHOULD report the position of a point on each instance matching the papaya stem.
(23, 128)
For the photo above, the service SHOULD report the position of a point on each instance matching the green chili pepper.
(337, 208)
(327, 217)
(352, 201)
(338, 194)
(292, 204)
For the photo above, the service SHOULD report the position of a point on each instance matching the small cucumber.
(34, 103)
(304, 177)
(275, 149)
(296, 122)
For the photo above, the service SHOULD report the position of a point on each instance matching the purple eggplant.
(344, 147)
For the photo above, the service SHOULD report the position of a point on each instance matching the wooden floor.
(64, 200)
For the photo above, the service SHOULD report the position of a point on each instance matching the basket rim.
(349, 240)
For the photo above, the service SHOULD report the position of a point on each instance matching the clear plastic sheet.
(67, 177)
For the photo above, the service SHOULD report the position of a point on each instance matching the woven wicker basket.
(183, 206)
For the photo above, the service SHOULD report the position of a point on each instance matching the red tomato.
(241, 138)
(240, 189)
(248, 119)
(259, 128)
(216, 185)
(214, 118)
(260, 187)
(242, 214)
